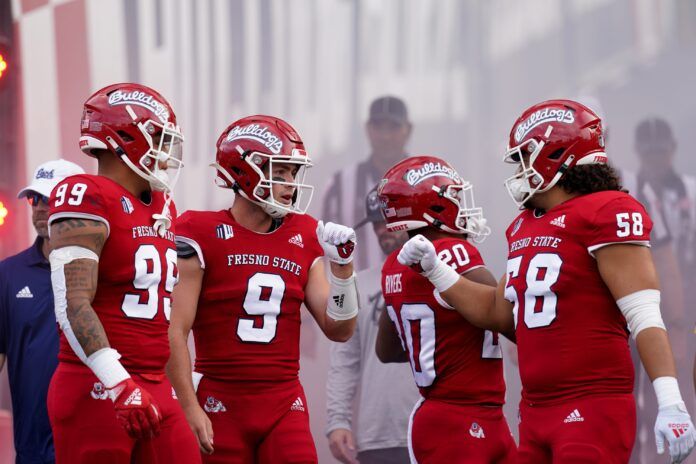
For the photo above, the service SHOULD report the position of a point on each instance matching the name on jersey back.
(392, 283)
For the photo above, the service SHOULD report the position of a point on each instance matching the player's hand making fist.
(337, 241)
(135, 409)
(418, 251)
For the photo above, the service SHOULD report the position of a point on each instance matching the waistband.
(485, 412)
(249, 387)
(75, 368)
(575, 398)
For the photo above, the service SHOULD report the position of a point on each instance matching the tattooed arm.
(76, 245)
(81, 279)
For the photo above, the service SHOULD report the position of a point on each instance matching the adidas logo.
(25, 293)
(559, 221)
(574, 417)
(338, 299)
(678, 429)
(135, 398)
(297, 405)
(297, 240)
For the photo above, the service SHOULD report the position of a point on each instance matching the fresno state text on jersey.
(571, 337)
(247, 324)
(452, 360)
(137, 268)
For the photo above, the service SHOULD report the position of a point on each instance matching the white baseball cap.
(48, 175)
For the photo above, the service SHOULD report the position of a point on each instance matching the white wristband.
(442, 276)
(667, 392)
(106, 366)
(343, 298)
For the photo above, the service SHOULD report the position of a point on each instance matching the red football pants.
(85, 429)
(441, 432)
(257, 422)
(582, 431)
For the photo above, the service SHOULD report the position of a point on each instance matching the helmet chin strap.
(519, 190)
(274, 212)
(561, 170)
(478, 228)
(225, 174)
(160, 181)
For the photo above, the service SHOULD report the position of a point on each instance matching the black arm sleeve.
(184, 250)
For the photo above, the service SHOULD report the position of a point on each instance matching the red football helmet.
(547, 140)
(138, 125)
(246, 151)
(424, 191)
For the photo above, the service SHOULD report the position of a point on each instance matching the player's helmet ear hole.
(125, 136)
(557, 154)
(437, 208)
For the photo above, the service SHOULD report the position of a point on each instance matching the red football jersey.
(451, 360)
(247, 326)
(137, 269)
(571, 337)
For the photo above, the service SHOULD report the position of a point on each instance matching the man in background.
(28, 335)
(387, 392)
(670, 198)
(388, 130)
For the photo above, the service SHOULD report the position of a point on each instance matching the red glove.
(135, 409)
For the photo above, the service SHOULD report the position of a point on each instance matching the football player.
(457, 366)
(245, 273)
(579, 274)
(113, 268)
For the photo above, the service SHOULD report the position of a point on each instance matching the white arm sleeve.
(641, 310)
(104, 362)
(58, 259)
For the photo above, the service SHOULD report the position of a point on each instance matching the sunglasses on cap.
(34, 198)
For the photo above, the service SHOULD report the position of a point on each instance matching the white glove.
(337, 241)
(673, 424)
(420, 253)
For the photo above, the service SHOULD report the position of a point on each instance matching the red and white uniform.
(137, 269)
(458, 367)
(137, 273)
(247, 334)
(571, 337)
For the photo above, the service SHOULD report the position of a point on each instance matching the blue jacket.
(29, 338)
